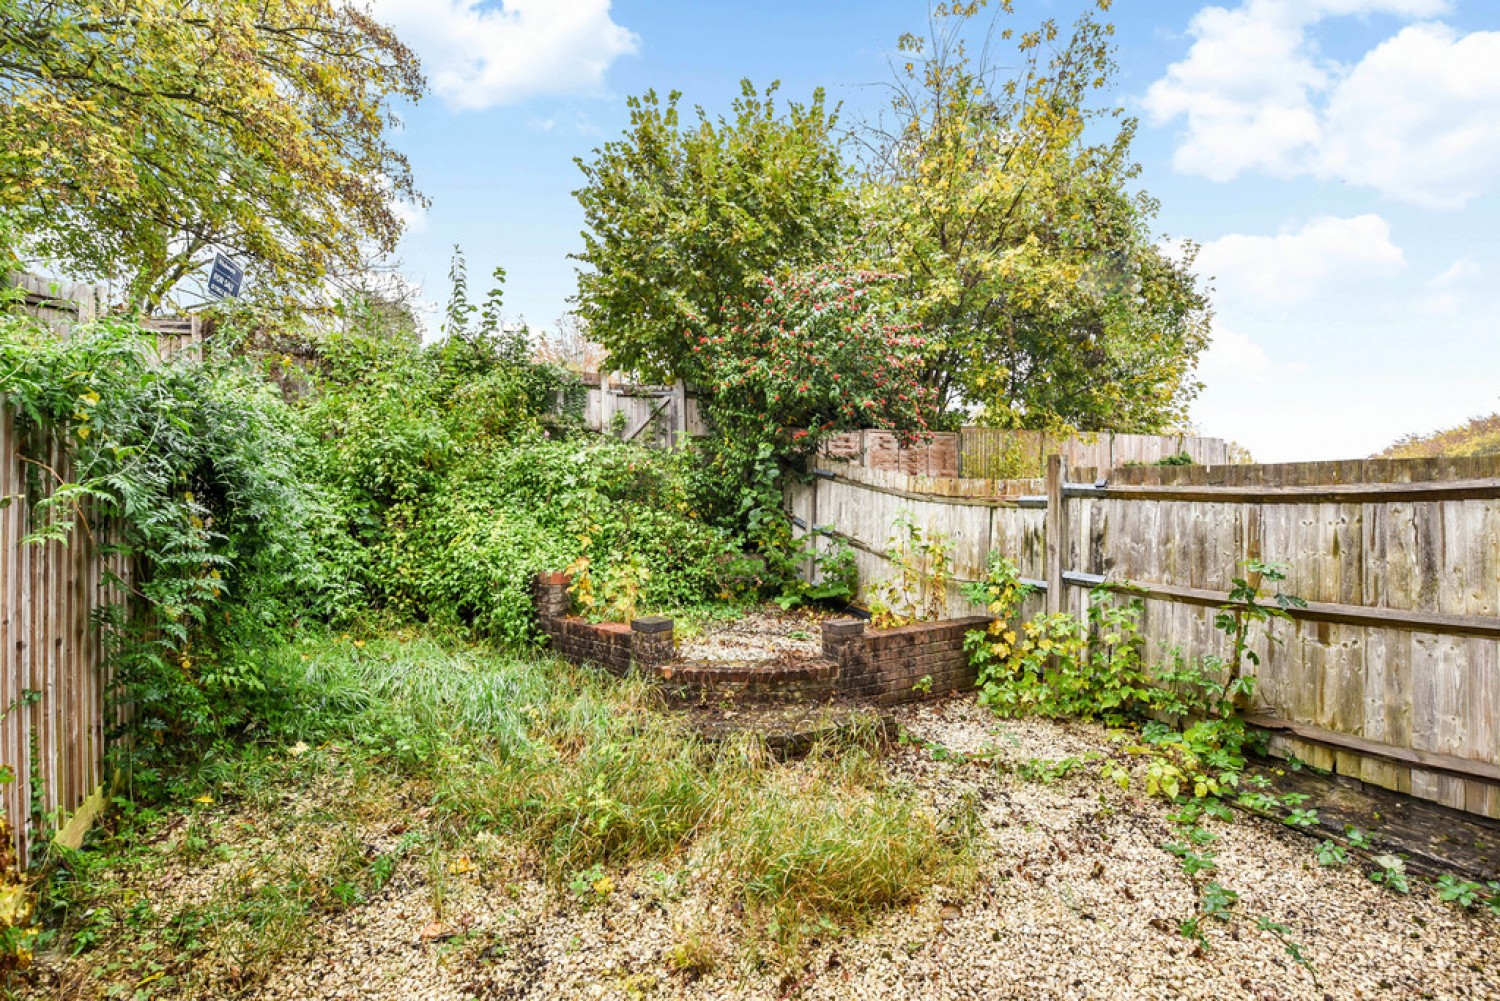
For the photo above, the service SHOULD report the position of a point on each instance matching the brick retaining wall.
(884, 666)
(888, 665)
(811, 679)
(614, 646)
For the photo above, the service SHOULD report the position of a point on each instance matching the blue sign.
(225, 279)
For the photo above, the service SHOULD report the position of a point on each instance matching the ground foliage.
(916, 589)
(476, 758)
(402, 483)
(380, 483)
(1190, 736)
(192, 471)
(1177, 728)
(460, 481)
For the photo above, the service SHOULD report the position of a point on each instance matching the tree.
(139, 136)
(569, 346)
(1481, 436)
(1029, 261)
(812, 354)
(685, 221)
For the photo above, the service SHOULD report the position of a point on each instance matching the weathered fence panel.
(859, 506)
(1392, 675)
(58, 305)
(52, 676)
(1003, 453)
(651, 415)
(658, 415)
(176, 335)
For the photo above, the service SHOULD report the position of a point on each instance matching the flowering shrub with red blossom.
(817, 353)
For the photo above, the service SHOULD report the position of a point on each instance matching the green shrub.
(457, 483)
(191, 470)
(1055, 665)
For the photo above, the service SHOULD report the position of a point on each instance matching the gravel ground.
(764, 634)
(1075, 900)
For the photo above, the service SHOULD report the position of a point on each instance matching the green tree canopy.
(684, 221)
(136, 137)
(812, 354)
(1006, 201)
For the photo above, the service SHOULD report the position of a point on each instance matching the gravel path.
(1075, 900)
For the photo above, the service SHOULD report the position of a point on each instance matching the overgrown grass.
(583, 770)
(565, 769)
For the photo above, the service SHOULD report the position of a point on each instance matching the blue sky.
(1339, 161)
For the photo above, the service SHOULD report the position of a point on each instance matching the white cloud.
(478, 55)
(1233, 357)
(1297, 264)
(1447, 293)
(1460, 272)
(413, 216)
(1417, 117)
(1244, 90)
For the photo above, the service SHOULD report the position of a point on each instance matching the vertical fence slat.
(48, 645)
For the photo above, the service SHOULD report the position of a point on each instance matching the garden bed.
(764, 634)
(851, 660)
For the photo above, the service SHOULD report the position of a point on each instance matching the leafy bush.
(1056, 665)
(468, 556)
(917, 589)
(835, 576)
(1481, 436)
(416, 483)
(1048, 665)
(816, 353)
(799, 358)
(456, 481)
(189, 470)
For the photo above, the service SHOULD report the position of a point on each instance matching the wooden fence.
(653, 415)
(659, 415)
(998, 453)
(52, 678)
(1391, 675)
(52, 671)
(56, 304)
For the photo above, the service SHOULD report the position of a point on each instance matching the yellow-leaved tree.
(138, 137)
(1008, 202)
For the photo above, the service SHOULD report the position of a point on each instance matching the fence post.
(812, 530)
(1057, 527)
(679, 415)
